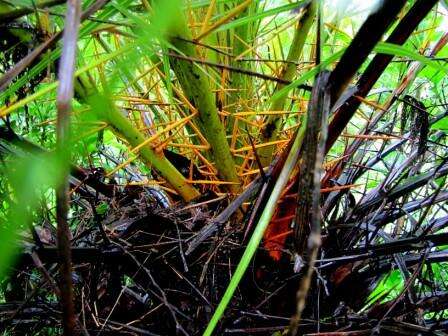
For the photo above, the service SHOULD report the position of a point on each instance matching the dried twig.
(64, 98)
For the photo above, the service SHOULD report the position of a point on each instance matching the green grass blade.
(397, 50)
(259, 229)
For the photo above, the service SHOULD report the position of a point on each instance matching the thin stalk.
(64, 107)
(239, 70)
(270, 130)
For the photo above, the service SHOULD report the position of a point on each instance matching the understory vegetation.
(221, 167)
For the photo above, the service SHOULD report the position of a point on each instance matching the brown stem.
(238, 70)
(64, 98)
(308, 218)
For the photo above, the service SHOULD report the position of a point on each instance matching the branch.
(64, 106)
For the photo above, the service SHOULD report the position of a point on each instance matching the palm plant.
(317, 129)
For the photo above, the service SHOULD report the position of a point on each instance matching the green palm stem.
(196, 87)
(271, 128)
(237, 80)
(122, 127)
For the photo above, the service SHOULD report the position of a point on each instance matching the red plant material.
(280, 227)
(342, 272)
